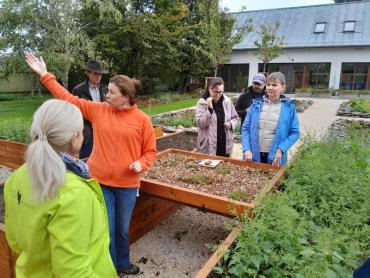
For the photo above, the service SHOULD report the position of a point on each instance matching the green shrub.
(185, 122)
(314, 90)
(15, 130)
(16, 116)
(355, 92)
(360, 105)
(319, 225)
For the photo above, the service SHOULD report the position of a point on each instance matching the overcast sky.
(235, 5)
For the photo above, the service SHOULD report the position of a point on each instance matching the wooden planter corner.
(7, 258)
(205, 201)
(217, 256)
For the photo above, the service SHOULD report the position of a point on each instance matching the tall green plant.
(270, 44)
(317, 226)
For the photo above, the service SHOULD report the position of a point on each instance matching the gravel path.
(180, 245)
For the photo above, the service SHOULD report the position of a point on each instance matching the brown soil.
(226, 179)
(183, 140)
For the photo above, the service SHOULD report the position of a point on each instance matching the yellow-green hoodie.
(66, 236)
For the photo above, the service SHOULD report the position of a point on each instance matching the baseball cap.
(259, 78)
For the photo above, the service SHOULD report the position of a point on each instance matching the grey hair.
(53, 126)
(278, 77)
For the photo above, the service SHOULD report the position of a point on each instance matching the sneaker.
(131, 270)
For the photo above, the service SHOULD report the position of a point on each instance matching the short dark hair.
(215, 81)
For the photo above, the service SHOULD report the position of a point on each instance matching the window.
(355, 76)
(319, 74)
(320, 27)
(349, 26)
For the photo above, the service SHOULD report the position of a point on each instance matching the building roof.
(298, 24)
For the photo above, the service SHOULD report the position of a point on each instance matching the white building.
(326, 46)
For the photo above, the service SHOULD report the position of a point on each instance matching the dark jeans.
(120, 203)
(363, 271)
(86, 147)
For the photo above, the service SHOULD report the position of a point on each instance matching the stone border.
(337, 128)
(345, 111)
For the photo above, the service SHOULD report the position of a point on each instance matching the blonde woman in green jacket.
(55, 216)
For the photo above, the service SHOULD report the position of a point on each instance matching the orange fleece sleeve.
(148, 145)
(58, 91)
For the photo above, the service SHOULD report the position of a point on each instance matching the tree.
(210, 40)
(49, 28)
(270, 45)
(219, 33)
(223, 37)
(144, 41)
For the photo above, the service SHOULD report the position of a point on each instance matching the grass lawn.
(169, 106)
(16, 115)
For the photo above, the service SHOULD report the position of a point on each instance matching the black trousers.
(264, 157)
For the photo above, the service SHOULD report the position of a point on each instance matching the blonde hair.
(53, 126)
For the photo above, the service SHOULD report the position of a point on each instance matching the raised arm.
(203, 114)
(58, 91)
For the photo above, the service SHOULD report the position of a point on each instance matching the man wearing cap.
(256, 90)
(90, 89)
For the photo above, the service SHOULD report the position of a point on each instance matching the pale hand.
(136, 166)
(277, 160)
(248, 155)
(36, 64)
(209, 102)
(227, 125)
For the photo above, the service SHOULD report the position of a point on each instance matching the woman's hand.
(36, 64)
(136, 166)
(227, 126)
(209, 102)
(277, 160)
(248, 155)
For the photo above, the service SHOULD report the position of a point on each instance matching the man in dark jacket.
(256, 90)
(90, 89)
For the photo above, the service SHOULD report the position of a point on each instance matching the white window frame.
(349, 26)
(320, 27)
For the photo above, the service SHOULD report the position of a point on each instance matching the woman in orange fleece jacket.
(124, 146)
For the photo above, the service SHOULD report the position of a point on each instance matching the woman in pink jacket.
(216, 119)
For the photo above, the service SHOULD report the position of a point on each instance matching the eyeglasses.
(217, 93)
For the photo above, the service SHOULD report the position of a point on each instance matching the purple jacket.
(207, 126)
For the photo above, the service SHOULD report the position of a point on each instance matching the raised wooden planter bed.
(206, 201)
(157, 201)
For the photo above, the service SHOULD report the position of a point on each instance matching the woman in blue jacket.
(271, 126)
